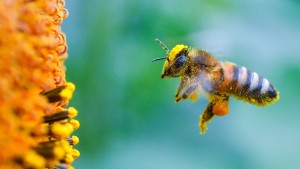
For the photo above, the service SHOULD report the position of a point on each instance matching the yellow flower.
(35, 123)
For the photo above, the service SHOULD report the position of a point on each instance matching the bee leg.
(184, 81)
(206, 117)
(190, 92)
(217, 106)
(221, 107)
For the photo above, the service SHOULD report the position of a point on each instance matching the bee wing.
(210, 80)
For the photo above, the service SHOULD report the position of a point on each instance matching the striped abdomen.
(247, 85)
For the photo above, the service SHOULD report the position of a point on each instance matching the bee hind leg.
(221, 104)
(206, 117)
(218, 106)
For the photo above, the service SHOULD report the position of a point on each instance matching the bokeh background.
(128, 116)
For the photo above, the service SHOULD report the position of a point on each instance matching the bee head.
(176, 59)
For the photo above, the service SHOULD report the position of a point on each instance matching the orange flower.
(35, 125)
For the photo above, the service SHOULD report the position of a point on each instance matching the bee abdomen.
(249, 86)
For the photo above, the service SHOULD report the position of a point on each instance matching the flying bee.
(198, 69)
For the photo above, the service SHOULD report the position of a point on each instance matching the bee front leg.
(206, 117)
(192, 92)
(184, 81)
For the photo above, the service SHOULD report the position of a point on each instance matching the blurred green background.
(128, 116)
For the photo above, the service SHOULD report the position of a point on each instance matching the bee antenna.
(156, 59)
(162, 45)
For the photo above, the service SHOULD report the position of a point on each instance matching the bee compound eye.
(180, 62)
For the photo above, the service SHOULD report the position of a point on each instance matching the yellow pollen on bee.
(175, 51)
(221, 108)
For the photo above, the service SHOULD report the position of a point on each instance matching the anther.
(73, 140)
(60, 93)
(65, 114)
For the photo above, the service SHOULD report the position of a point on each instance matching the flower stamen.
(73, 140)
(65, 114)
(60, 93)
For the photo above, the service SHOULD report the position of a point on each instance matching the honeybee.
(198, 69)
